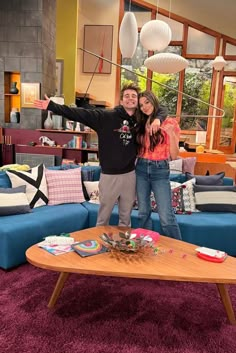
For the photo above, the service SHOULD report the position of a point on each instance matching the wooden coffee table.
(175, 261)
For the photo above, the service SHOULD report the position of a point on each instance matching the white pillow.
(176, 166)
(92, 190)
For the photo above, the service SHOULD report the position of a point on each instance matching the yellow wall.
(66, 44)
(94, 12)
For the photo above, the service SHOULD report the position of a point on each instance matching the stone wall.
(28, 46)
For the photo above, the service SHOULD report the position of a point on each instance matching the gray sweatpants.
(119, 189)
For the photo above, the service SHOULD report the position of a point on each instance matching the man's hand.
(155, 126)
(42, 104)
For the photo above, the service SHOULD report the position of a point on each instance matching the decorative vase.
(48, 123)
(13, 88)
(14, 115)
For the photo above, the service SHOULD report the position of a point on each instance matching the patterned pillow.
(92, 191)
(183, 200)
(13, 201)
(64, 186)
(35, 182)
(211, 198)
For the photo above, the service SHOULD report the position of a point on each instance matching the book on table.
(89, 248)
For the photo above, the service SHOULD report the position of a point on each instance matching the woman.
(152, 168)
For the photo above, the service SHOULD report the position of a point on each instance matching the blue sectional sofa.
(18, 232)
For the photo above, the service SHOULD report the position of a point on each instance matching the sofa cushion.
(13, 201)
(35, 182)
(64, 186)
(215, 179)
(215, 198)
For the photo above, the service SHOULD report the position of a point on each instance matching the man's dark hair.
(132, 86)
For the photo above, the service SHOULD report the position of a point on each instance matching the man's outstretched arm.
(42, 104)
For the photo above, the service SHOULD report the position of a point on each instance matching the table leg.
(227, 302)
(58, 288)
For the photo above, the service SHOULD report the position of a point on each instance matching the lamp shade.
(166, 63)
(155, 35)
(128, 35)
(218, 63)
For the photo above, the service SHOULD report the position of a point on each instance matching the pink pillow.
(64, 186)
(189, 164)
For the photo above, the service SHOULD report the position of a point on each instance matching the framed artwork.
(59, 76)
(29, 92)
(97, 39)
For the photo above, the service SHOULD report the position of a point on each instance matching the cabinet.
(11, 100)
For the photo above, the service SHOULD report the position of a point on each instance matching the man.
(116, 146)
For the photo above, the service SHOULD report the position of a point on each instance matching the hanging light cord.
(166, 86)
(91, 77)
(169, 9)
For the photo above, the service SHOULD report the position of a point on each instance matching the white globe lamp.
(166, 63)
(155, 35)
(128, 35)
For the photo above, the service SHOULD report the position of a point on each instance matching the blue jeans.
(154, 176)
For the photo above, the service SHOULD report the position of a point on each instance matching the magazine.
(56, 249)
(89, 247)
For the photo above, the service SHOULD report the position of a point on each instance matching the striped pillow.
(64, 186)
(13, 201)
(211, 198)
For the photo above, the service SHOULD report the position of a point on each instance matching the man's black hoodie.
(116, 134)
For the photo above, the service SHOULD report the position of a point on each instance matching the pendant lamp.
(128, 35)
(218, 63)
(155, 35)
(166, 63)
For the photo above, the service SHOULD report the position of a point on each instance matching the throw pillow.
(35, 182)
(215, 179)
(185, 195)
(13, 201)
(64, 186)
(87, 174)
(215, 198)
(92, 191)
(189, 165)
(176, 166)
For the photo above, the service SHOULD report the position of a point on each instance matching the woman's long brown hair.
(142, 120)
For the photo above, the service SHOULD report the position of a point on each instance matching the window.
(197, 83)
(200, 42)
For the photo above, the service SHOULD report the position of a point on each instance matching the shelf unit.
(11, 100)
(61, 138)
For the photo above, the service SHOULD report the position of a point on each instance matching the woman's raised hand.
(42, 104)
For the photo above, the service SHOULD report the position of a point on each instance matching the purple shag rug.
(111, 315)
